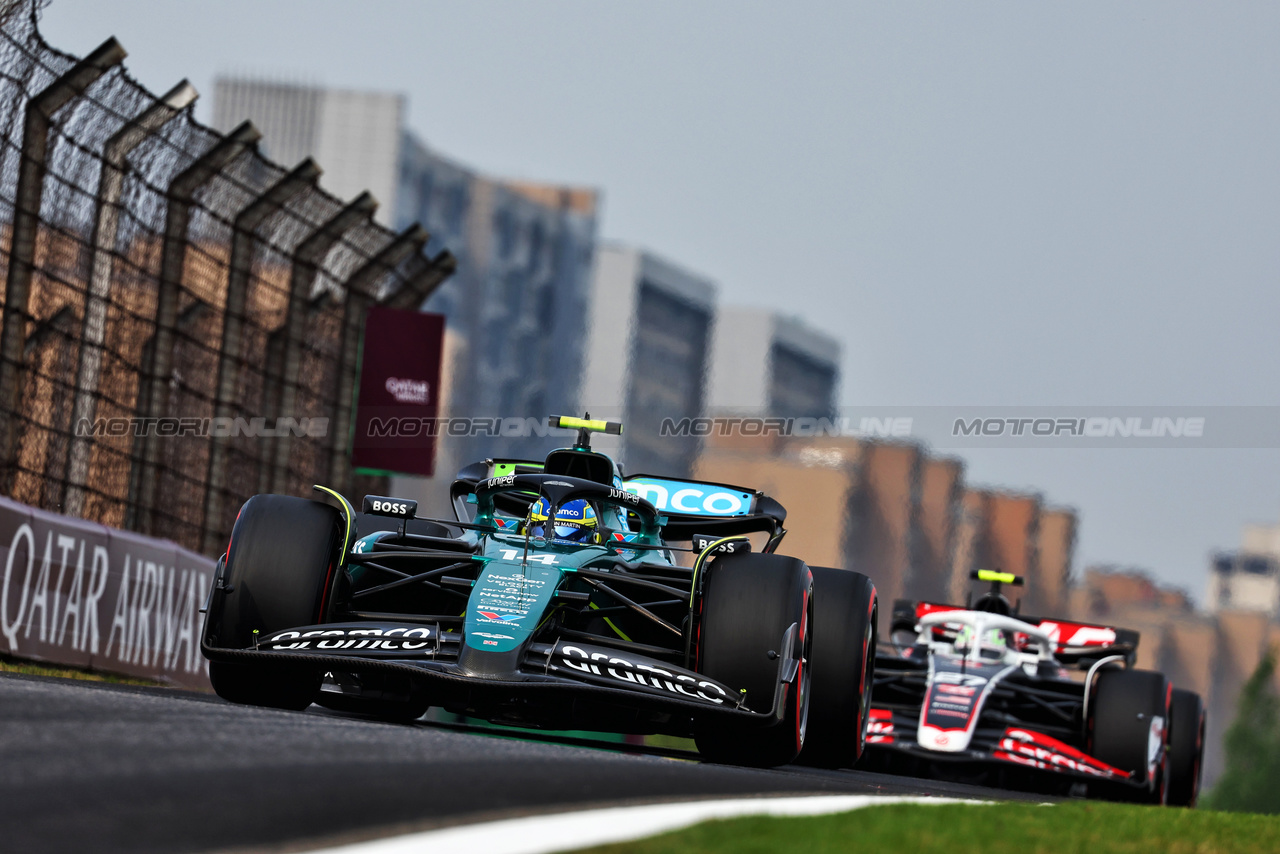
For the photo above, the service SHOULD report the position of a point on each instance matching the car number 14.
(545, 560)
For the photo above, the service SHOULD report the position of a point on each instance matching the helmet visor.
(561, 532)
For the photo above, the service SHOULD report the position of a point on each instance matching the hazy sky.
(987, 203)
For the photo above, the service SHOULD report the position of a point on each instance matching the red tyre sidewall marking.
(864, 707)
(800, 694)
(226, 564)
(328, 577)
(324, 592)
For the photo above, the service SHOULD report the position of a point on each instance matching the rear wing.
(689, 506)
(1075, 643)
(705, 507)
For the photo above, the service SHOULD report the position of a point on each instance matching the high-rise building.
(765, 362)
(1248, 579)
(1239, 581)
(647, 356)
(941, 487)
(355, 135)
(851, 503)
(1016, 533)
(518, 301)
(1056, 545)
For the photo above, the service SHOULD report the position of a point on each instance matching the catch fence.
(181, 316)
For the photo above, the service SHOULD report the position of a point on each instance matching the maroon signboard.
(399, 397)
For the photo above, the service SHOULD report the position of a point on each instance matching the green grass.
(15, 665)
(1069, 828)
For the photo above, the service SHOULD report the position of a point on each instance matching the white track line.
(544, 834)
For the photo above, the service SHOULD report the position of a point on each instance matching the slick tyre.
(843, 659)
(391, 711)
(279, 568)
(1186, 748)
(1128, 721)
(749, 602)
(391, 698)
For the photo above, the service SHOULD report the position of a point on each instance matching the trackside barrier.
(82, 594)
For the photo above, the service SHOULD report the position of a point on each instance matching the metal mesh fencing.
(181, 316)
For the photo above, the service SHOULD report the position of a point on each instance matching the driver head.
(574, 522)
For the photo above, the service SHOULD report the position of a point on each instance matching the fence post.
(26, 227)
(243, 237)
(182, 190)
(306, 266)
(105, 227)
(359, 298)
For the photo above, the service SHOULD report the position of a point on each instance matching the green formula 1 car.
(562, 596)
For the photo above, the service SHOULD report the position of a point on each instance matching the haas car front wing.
(1020, 746)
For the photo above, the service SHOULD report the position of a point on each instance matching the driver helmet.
(994, 640)
(575, 521)
(994, 603)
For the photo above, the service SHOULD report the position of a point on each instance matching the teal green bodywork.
(518, 588)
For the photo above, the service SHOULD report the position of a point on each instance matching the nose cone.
(942, 740)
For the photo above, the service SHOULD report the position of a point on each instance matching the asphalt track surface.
(104, 768)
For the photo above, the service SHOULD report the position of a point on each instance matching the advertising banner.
(82, 594)
(398, 402)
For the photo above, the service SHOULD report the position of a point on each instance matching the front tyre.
(749, 603)
(1186, 748)
(394, 698)
(279, 569)
(1128, 727)
(843, 666)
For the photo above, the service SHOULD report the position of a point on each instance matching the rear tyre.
(1186, 748)
(749, 602)
(843, 666)
(1128, 727)
(279, 567)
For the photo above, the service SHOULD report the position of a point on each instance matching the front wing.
(552, 673)
(891, 741)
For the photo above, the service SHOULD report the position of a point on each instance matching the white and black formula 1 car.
(554, 599)
(980, 694)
